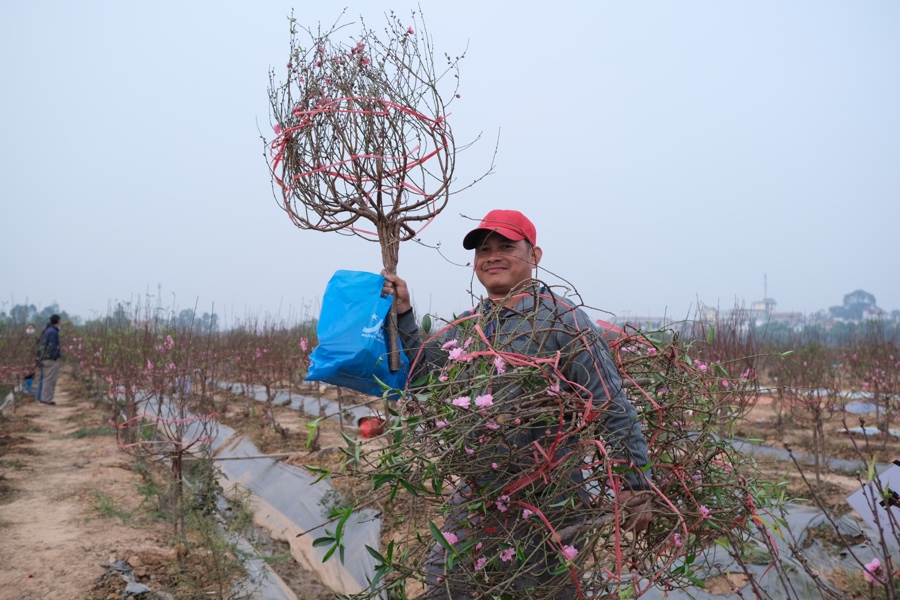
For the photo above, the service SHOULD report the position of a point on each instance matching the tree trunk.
(389, 236)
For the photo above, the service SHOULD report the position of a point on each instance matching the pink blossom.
(170, 343)
(501, 503)
(662, 391)
(865, 384)
(518, 421)
(277, 129)
(450, 537)
(701, 366)
(493, 465)
(304, 344)
(873, 572)
(704, 512)
(527, 513)
(506, 555)
(170, 367)
(449, 344)
(570, 552)
(443, 378)
(365, 60)
(500, 365)
(677, 540)
(553, 390)
(467, 342)
(747, 374)
(149, 366)
(469, 450)
(440, 424)
(481, 561)
(484, 401)
(493, 426)
(478, 546)
(457, 354)
(651, 351)
(411, 30)
(725, 383)
(462, 402)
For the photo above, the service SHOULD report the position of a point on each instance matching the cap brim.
(474, 237)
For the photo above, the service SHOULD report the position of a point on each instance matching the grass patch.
(277, 558)
(14, 464)
(85, 432)
(104, 506)
(5, 524)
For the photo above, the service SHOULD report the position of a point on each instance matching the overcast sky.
(668, 152)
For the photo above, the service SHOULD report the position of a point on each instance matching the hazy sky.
(666, 151)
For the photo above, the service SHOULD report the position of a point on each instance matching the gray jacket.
(541, 325)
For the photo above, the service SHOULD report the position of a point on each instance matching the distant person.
(49, 355)
(28, 380)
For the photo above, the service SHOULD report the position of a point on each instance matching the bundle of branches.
(362, 142)
(509, 475)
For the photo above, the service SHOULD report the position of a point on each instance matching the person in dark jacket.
(49, 355)
(506, 254)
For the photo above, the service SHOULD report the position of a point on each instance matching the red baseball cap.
(511, 224)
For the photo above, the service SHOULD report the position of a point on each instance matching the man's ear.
(537, 252)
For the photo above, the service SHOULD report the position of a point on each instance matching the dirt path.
(62, 502)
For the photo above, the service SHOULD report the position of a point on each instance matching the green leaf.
(440, 539)
(709, 336)
(313, 426)
(323, 541)
(375, 554)
(426, 323)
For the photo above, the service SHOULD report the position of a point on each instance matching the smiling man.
(523, 317)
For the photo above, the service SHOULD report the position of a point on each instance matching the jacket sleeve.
(424, 358)
(593, 368)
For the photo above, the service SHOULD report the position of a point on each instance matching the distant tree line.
(28, 313)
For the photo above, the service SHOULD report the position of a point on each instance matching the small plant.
(106, 507)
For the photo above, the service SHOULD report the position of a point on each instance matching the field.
(78, 495)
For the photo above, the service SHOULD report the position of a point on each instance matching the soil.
(70, 505)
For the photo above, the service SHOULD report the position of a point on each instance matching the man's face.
(502, 264)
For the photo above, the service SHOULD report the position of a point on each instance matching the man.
(506, 253)
(49, 355)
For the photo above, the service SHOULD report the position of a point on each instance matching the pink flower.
(677, 541)
(527, 513)
(518, 421)
(450, 537)
(304, 344)
(501, 503)
(467, 342)
(462, 402)
(450, 344)
(651, 351)
(481, 561)
(493, 465)
(662, 391)
(553, 390)
(469, 450)
(570, 552)
(170, 367)
(704, 512)
(478, 546)
(149, 366)
(277, 129)
(506, 555)
(702, 366)
(484, 401)
(365, 60)
(747, 374)
(411, 30)
(725, 383)
(443, 378)
(457, 354)
(873, 572)
(493, 426)
(865, 384)
(500, 365)
(440, 424)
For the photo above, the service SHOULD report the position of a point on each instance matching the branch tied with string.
(362, 141)
(507, 474)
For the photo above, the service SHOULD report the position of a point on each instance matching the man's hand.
(638, 506)
(396, 287)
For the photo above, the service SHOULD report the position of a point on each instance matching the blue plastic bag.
(353, 348)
